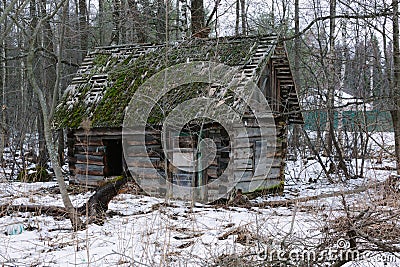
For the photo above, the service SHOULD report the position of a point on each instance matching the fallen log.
(97, 204)
(39, 209)
(95, 208)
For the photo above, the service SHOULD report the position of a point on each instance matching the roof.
(109, 76)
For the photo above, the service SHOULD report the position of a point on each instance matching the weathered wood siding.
(137, 160)
(86, 151)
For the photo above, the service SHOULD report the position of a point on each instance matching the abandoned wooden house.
(94, 105)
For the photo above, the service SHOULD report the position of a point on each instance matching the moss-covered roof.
(109, 76)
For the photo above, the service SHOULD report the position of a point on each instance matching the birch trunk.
(72, 213)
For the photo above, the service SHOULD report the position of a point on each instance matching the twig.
(280, 203)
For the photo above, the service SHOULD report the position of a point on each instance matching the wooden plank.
(132, 132)
(89, 159)
(148, 173)
(139, 164)
(263, 168)
(89, 162)
(148, 153)
(251, 184)
(91, 141)
(243, 153)
(92, 150)
(150, 183)
(250, 132)
(99, 133)
(90, 172)
(249, 175)
(89, 167)
(241, 164)
(141, 159)
(241, 143)
(256, 133)
(277, 154)
(242, 175)
(215, 188)
(274, 173)
(212, 171)
(139, 142)
(83, 178)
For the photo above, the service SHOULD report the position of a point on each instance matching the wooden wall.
(87, 155)
(87, 158)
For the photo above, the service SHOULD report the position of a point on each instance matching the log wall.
(87, 155)
(87, 158)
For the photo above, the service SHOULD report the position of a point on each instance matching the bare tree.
(198, 16)
(243, 16)
(3, 135)
(395, 94)
(72, 213)
(118, 34)
(83, 27)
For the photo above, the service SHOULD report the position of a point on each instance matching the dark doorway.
(113, 157)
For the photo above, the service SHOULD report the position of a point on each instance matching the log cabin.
(94, 106)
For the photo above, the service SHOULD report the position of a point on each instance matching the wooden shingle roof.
(109, 76)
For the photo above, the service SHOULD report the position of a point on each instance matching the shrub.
(40, 174)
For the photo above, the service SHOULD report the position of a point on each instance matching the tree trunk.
(296, 71)
(115, 36)
(331, 82)
(162, 22)
(72, 213)
(138, 22)
(185, 18)
(61, 146)
(177, 21)
(198, 16)
(296, 42)
(101, 22)
(75, 220)
(395, 112)
(97, 205)
(3, 137)
(48, 74)
(43, 156)
(83, 27)
(237, 21)
(243, 16)
(122, 22)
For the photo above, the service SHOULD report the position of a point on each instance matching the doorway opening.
(113, 164)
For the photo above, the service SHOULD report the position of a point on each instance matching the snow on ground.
(148, 231)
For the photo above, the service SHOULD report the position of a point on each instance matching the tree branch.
(384, 13)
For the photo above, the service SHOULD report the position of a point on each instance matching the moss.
(115, 179)
(124, 77)
(110, 110)
(111, 181)
(261, 191)
(72, 117)
(101, 60)
(169, 101)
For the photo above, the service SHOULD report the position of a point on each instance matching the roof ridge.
(188, 41)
